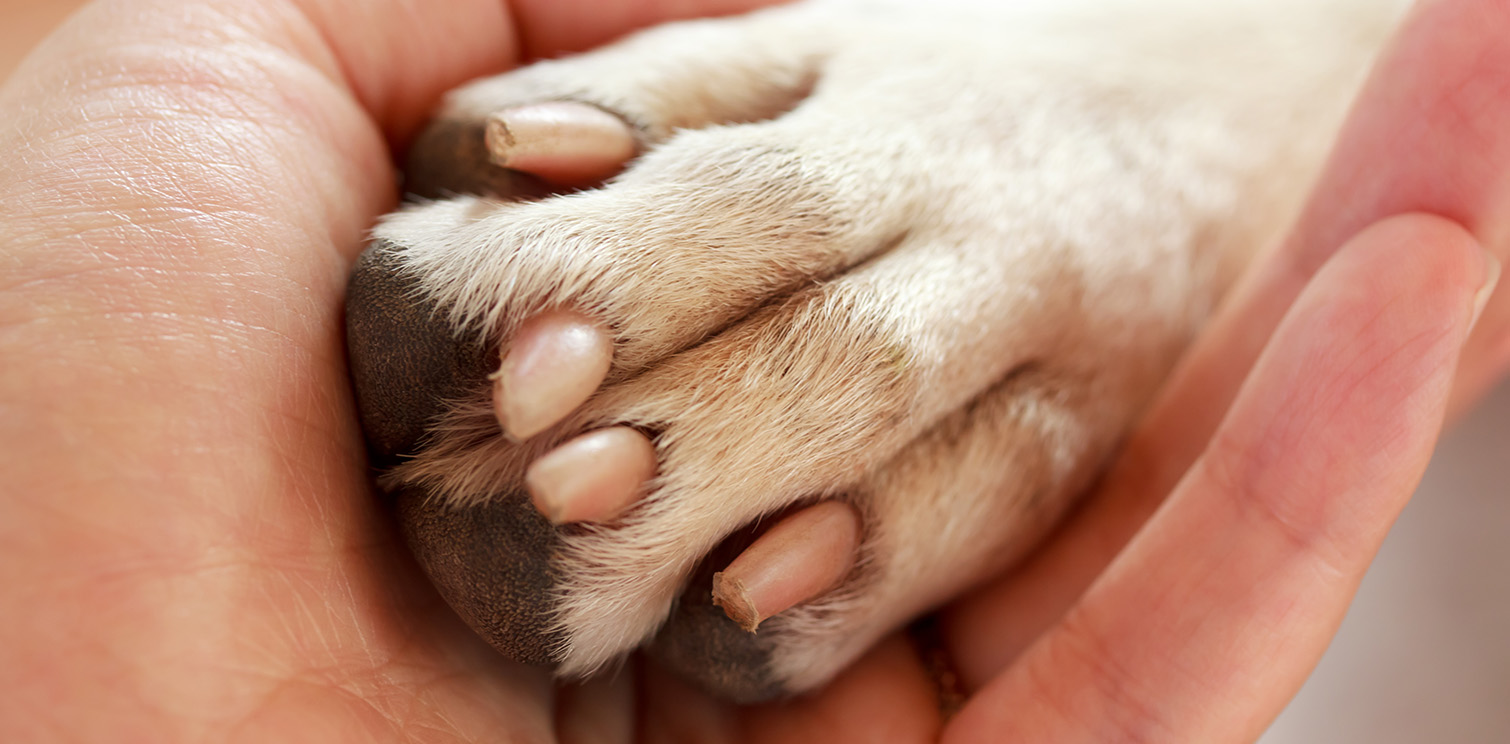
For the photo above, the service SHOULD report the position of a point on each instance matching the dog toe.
(451, 157)
(821, 271)
(700, 643)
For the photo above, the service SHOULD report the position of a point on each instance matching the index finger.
(1427, 135)
(1210, 621)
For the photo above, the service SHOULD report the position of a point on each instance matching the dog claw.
(561, 141)
(803, 556)
(592, 478)
(554, 364)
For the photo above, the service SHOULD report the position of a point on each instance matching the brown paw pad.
(492, 564)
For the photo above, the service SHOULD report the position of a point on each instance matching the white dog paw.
(879, 286)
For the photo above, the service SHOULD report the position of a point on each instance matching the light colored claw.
(561, 141)
(802, 557)
(592, 478)
(555, 363)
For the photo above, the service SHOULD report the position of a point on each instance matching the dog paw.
(851, 300)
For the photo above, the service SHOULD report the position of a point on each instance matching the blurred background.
(1424, 654)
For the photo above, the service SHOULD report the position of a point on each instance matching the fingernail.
(560, 141)
(554, 364)
(1492, 270)
(592, 478)
(805, 555)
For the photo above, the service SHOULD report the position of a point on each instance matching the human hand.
(187, 520)
(189, 526)
(1423, 140)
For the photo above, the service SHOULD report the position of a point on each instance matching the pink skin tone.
(557, 359)
(1300, 520)
(1464, 190)
(1450, 61)
(189, 444)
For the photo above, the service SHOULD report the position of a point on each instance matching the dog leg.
(920, 263)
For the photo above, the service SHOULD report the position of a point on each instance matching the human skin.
(190, 548)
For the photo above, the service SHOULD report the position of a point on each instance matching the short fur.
(931, 258)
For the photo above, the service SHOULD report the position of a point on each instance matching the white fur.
(930, 257)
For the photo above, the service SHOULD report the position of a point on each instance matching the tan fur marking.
(942, 277)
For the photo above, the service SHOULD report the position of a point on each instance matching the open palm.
(190, 547)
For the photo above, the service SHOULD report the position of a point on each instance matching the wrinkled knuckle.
(1260, 496)
(1124, 710)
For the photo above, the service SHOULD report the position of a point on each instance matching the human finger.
(184, 187)
(1212, 618)
(400, 57)
(1424, 136)
(236, 148)
(551, 27)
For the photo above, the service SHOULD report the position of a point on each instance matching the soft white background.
(1422, 657)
